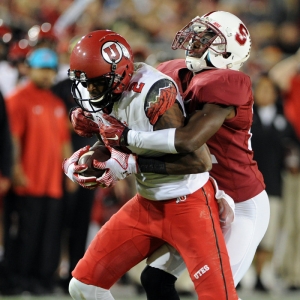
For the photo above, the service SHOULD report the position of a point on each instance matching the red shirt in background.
(38, 118)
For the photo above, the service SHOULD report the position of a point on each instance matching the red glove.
(114, 134)
(83, 123)
(73, 170)
(119, 166)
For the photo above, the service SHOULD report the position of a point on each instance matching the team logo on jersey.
(38, 109)
(112, 51)
(156, 107)
(181, 199)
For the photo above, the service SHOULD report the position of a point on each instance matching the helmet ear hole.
(226, 55)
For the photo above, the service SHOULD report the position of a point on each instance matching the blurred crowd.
(149, 26)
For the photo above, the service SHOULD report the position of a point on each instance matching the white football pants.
(79, 291)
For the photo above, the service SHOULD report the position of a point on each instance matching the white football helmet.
(218, 39)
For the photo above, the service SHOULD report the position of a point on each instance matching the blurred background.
(150, 26)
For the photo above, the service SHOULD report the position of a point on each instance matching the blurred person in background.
(6, 153)
(7, 205)
(17, 53)
(291, 99)
(41, 139)
(287, 75)
(288, 267)
(6, 158)
(283, 72)
(42, 36)
(6, 39)
(273, 141)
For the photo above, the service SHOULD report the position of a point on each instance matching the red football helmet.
(101, 56)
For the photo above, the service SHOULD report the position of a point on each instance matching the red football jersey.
(234, 168)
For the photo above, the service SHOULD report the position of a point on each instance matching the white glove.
(119, 166)
(72, 169)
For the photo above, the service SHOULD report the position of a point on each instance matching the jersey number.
(241, 36)
(136, 87)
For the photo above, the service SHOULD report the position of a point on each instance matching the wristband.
(123, 138)
(71, 110)
(151, 165)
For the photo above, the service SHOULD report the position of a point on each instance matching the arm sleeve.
(160, 140)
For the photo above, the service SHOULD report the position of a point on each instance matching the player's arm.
(164, 111)
(121, 165)
(195, 162)
(19, 178)
(202, 125)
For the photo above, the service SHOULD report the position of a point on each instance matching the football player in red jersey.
(216, 46)
(219, 99)
(167, 208)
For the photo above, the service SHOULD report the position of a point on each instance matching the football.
(98, 152)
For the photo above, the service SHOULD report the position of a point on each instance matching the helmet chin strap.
(197, 64)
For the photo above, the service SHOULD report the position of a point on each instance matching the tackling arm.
(202, 125)
(195, 162)
(165, 113)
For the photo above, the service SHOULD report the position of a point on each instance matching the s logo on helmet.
(112, 51)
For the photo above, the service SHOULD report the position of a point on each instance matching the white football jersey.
(130, 110)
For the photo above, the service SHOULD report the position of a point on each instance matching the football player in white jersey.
(216, 46)
(167, 208)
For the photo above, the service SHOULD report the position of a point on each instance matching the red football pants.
(190, 225)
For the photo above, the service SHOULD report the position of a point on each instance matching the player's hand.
(119, 166)
(114, 134)
(73, 170)
(226, 206)
(19, 178)
(83, 123)
(5, 184)
(226, 212)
